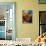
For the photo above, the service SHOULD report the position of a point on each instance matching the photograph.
(42, 1)
(27, 16)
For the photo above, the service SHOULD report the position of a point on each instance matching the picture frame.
(26, 16)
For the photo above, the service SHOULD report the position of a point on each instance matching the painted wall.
(27, 30)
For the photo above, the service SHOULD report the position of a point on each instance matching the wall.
(27, 30)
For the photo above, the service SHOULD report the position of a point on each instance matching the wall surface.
(27, 30)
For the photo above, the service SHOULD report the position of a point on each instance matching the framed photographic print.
(42, 22)
(27, 16)
(42, 1)
(7, 20)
